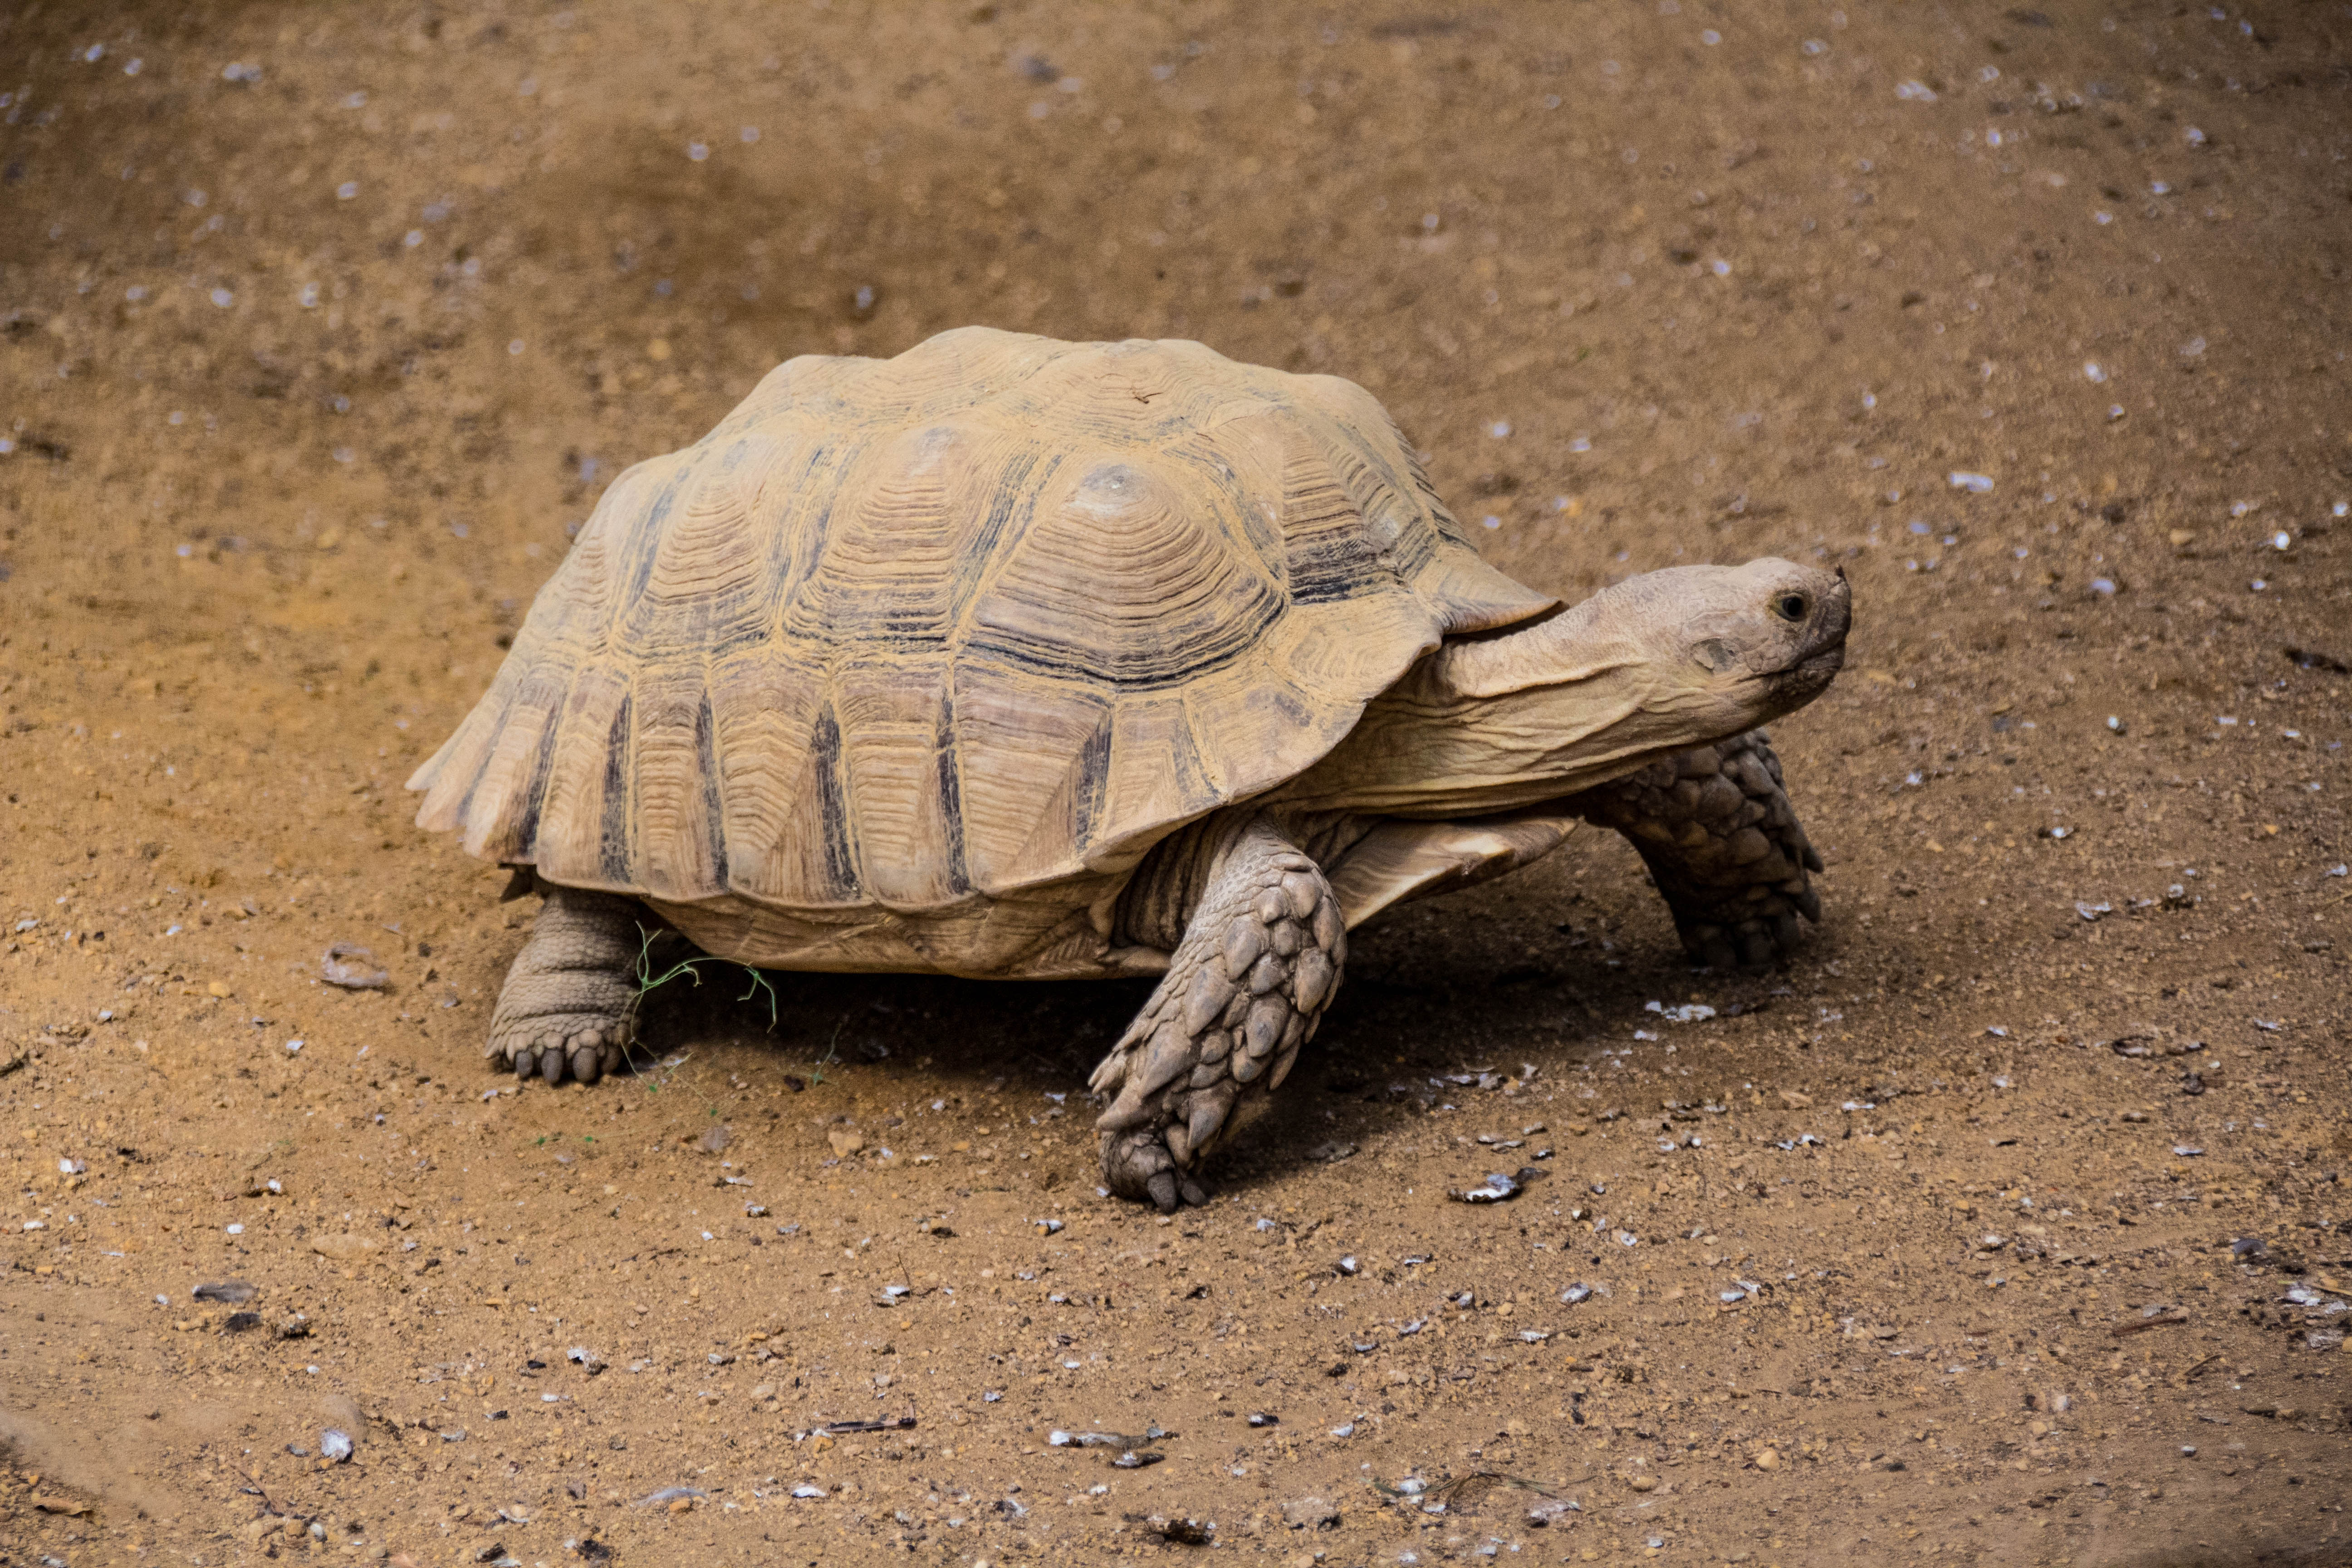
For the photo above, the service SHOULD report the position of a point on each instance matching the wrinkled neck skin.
(1505, 720)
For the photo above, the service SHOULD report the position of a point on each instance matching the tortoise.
(1015, 658)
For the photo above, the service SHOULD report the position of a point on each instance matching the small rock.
(336, 1446)
(342, 1245)
(1769, 1459)
(1497, 1188)
(1311, 1513)
(717, 1136)
(297, 1327)
(234, 1292)
(844, 1142)
(352, 968)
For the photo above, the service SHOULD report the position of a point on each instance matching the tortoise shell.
(902, 638)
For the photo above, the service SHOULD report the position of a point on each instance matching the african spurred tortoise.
(1013, 658)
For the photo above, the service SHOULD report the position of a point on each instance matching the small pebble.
(350, 967)
(1497, 1188)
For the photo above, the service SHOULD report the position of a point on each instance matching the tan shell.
(982, 622)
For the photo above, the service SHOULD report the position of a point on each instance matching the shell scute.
(1127, 578)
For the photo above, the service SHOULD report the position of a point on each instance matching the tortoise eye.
(1790, 607)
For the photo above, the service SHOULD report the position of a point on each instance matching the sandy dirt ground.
(2007, 1225)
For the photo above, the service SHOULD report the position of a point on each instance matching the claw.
(1194, 1192)
(587, 1064)
(550, 1065)
(526, 1062)
(1163, 1188)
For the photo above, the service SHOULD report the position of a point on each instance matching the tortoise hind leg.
(569, 1007)
(1715, 828)
(1259, 961)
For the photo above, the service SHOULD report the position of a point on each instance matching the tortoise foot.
(1138, 1165)
(569, 1007)
(1244, 990)
(1716, 829)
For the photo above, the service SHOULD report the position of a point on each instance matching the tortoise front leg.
(1259, 961)
(1716, 831)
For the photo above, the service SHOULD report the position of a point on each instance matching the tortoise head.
(1677, 656)
(1541, 710)
(1768, 636)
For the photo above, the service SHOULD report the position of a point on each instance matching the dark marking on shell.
(613, 836)
(1092, 769)
(951, 787)
(1023, 475)
(526, 821)
(714, 805)
(833, 804)
(640, 551)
